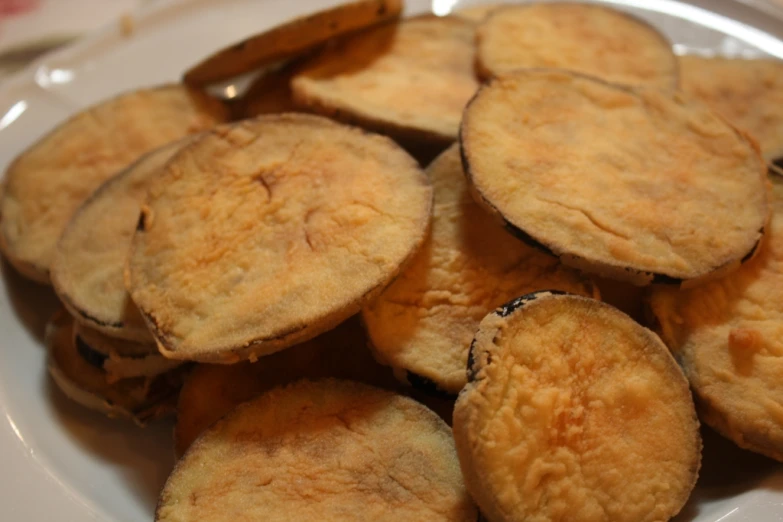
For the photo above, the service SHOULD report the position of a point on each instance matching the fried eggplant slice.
(291, 39)
(410, 80)
(212, 390)
(87, 271)
(728, 337)
(749, 93)
(268, 232)
(423, 323)
(139, 399)
(633, 185)
(584, 38)
(574, 412)
(328, 450)
(47, 182)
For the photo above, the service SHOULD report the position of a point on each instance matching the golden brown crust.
(689, 196)
(584, 38)
(423, 323)
(327, 450)
(88, 265)
(749, 93)
(568, 400)
(270, 231)
(728, 337)
(47, 182)
(410, 80)
(291, 39)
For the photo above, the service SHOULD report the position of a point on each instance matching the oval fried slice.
(139, 399)
(747, 92)
(212, 390)
(574, 412)
(423, 323)
(46, 183)
(268, 232)
(728, 337)
(410, 79)
(584, 38)
(327, 450)
(291, 39)
(633, 185)
(88, 265)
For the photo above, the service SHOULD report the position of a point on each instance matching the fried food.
(728, 338)
(327, 450)
(749, 93)
(632, 185)
(584, 38)
(270, 231)
(291, 39)
(47, 183)
(422, 325)
(574, 412)
(410, 80)
(87, 271)
(476, 13)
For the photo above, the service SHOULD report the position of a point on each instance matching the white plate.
(60, 462)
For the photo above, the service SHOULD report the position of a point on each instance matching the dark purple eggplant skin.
(92, 357)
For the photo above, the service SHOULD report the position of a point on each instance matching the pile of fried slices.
(295, 276)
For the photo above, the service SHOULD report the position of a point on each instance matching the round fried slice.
(747, 92)
(291, 39)
(574, 412)
(728, 337)
(423, 323)
(119, 358)
(268, 232)
(328, 450)
(139, 399)
(212, 390)
(633, 185)
(88, 265)
(584, 38)
(46, 183)
(410, 80)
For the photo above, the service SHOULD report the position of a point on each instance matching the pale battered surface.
(291, 39)
(87, 271)
(411, 79)
(46, 183)
(747, 92)
(631, 185)
(728, 337)
(329, 451)
(424, 322)
(270, 231)
(575, 412)
(583, 38)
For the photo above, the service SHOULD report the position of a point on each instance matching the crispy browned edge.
(421, 142)
(30, 270)
(259, 50)
(617, 272)
(476, 363)
(258, 347)
(484, 74)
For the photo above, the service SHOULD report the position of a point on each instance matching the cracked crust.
(327, 450)
(728, 337)
(270, 231)
(632, 185)
(574, 412)
(291, 39)
(749, 93)
(45, 184)
(87, 271)
(588, 39)
(375, 78)
(422, 325)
